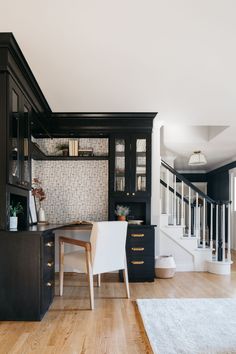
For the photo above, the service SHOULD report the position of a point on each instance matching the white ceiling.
(174, 57)
(218, 143)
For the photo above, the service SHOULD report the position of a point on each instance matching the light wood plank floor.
(114, 327)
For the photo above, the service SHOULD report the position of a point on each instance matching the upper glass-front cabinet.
(19, 137)
(130, 165)
(119, 175)
(141, 165)
(14, 138)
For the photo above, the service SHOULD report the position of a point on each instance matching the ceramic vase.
(41, 215)
(13, 222)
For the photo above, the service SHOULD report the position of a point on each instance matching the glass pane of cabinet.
(26, 158)
(119, 180)
(14, 169)
(141, 165)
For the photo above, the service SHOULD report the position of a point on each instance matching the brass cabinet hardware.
(137, 262)
(49, 284)
(137, 235)
(137, 249)
(49, 244)
(50, 264)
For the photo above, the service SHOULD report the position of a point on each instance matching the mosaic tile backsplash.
(75, 190)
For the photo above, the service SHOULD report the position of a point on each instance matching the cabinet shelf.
(38, 154)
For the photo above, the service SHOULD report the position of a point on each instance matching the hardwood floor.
(114, 327)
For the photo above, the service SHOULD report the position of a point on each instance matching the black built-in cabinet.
(27, 255)
(130, 185)
(26, 274)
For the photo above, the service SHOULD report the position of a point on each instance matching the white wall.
(155, 199)
(174, 57)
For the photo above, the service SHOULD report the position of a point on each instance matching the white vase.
(41, 215)
(13, 222)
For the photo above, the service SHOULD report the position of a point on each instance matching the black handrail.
(173, 191)
(197, 190)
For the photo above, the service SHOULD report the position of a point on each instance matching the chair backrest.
(108, 239)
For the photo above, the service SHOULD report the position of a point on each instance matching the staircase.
(194, 228)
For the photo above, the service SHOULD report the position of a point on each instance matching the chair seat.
(76, 261)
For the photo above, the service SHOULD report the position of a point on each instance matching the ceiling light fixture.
(197, 159)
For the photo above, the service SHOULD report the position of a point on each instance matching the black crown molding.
(8, 41)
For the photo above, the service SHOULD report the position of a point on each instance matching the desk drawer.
(141, 268)
(140, 241)
(47, 294)
(139, 250)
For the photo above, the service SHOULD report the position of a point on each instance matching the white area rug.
(190, 326)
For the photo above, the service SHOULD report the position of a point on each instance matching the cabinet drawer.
(48, 260)
(140, 233)
(140, 238)
(47, 294)
(141, 268)
(139, 249)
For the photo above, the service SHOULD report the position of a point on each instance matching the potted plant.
(64, 148)
(14, 211)
(39, 193)
(121, 212)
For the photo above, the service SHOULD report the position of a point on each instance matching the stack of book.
(73, 147)
(86, 152)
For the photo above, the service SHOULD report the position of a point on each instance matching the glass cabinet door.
(14, 138)
(119, 173)
(26, 168)
(141, 165)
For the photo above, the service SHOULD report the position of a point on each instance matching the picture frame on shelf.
(33, 218)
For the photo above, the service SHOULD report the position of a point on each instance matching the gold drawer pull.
(137, 262)
(49, 244)
(137, 235)
(136, 249)
(49, 284)
(50, 264)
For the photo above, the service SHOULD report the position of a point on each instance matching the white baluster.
(178, 212)
(197, 220)
(168, 195)
(182, 203)
(217, 231)
(174, 211)
(229, 240)
(223, 231)
(189, 212)
(211, 228)
(204, 224)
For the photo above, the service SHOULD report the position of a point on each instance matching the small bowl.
(135, 222)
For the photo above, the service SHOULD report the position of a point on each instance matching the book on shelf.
(86, 152)
(73, 147)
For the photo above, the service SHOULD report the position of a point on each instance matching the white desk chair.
(104, 253)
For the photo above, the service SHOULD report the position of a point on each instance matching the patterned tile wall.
(75, 190)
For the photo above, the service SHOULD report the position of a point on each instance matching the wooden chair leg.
(99, 280)
(90, 278)
(61, 267)
(126, 280)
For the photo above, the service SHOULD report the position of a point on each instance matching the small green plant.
(122, 210)
(17, 209)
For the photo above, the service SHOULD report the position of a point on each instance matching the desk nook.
(89, 164)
